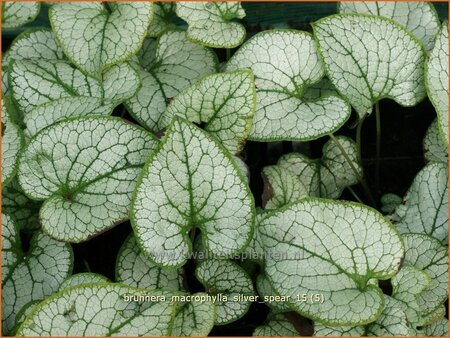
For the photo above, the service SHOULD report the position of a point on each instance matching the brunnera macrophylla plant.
(144, 113)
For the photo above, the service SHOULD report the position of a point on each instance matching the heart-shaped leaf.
(210, 22)
(83, 278)
(369, 58)
(333, 249)
(329, 176)
(23, 210)
(429, 255)
(281, 187)
(191, 182)
(285, 63)
(167, 66)
(225, 102)
(420, 18)
(276, 325)
(194, 318)
(102, 310)
(425, 206)
(134, 269)
(164, 13)
(35, 276)
(436, 79)
(435, 150)
(18, 13)
(231, 284)
(96, 36)
(86, 187)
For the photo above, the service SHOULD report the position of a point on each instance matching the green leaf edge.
(21, 36)
(59, 293)
(312, 138)
(280, 138)
(443, 246)
(119, 253)
(270, 213)
(249, 121)
(79, 118)
(126, 57)
(105, 279)
(395, 23)
(213, 310)
(38, 9)
(144, 172)
(247, 304)
(21, 312)
(24, 256)
(428, 90)
(105, 102)
(151, 72)
(55, 195)
(200, 42)
(430, 5)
